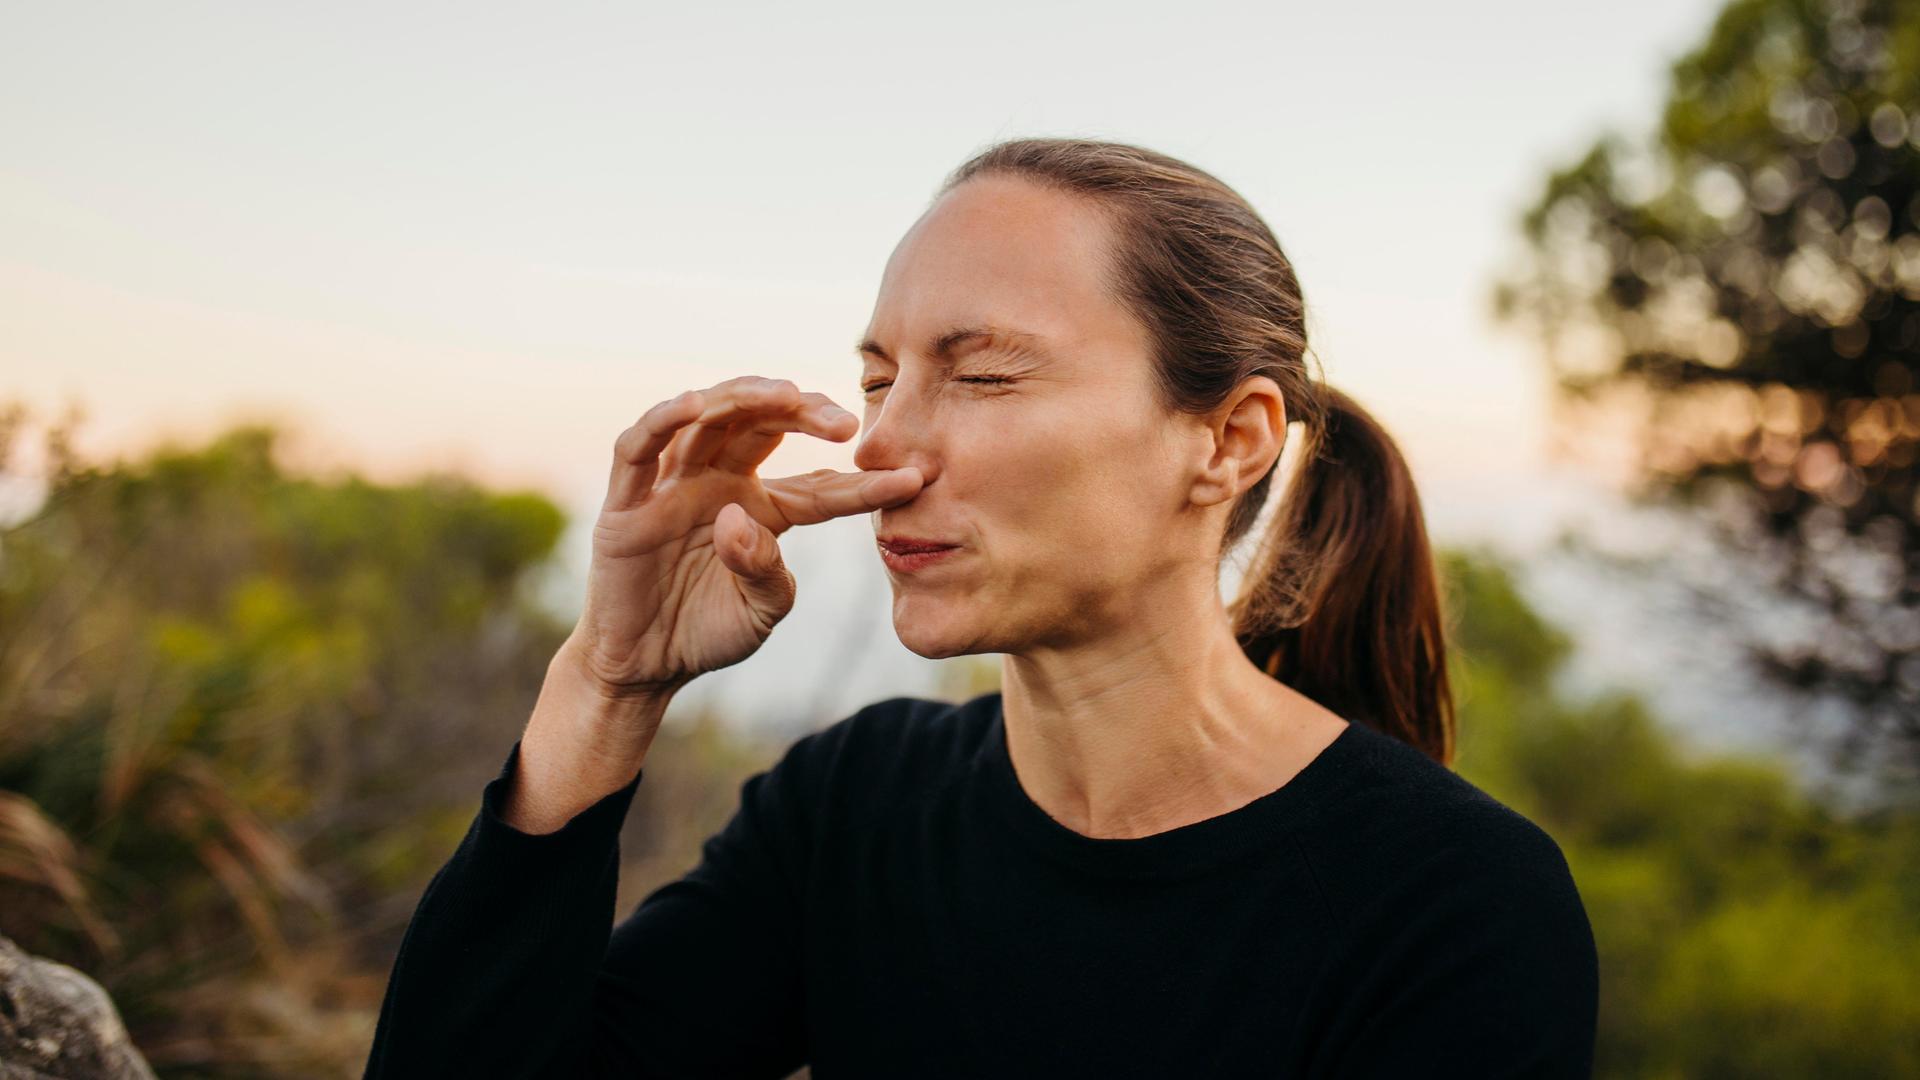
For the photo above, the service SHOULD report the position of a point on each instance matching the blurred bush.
(1743, 928)
(245, 715)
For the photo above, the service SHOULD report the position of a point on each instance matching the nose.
(897, 435)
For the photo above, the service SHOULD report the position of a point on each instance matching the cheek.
(1061, 485)
(1040, 450)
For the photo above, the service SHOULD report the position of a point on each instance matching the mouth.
(912, 553)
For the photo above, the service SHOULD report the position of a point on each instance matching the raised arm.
(510, 966)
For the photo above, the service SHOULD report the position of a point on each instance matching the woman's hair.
(1341, 601)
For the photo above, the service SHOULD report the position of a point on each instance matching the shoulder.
(1409, 832)
(1464, 948)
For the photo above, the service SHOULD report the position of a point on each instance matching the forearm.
(498, 965)
(581, 743)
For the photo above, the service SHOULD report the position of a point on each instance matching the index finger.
(824, 494)
(636, 452)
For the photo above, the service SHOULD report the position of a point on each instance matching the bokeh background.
(317, 324)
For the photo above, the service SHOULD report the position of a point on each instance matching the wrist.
(579, 746)
(603, 698)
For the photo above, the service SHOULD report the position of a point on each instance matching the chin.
(936, 631)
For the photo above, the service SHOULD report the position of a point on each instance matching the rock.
(57, 1024)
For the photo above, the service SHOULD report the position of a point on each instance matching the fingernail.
(835, 412)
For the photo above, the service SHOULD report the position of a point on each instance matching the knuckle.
(655, 421)
(761, 383)
(661, 406)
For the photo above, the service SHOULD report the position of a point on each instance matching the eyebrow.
(947, 344)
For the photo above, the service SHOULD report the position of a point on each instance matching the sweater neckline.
(1266, 821)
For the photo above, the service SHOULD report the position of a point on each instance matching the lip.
(907, 545)
(905, 553)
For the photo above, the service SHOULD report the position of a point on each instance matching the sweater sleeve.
(511, 966)
(1476, 964)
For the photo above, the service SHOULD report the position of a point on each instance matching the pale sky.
(488, 236)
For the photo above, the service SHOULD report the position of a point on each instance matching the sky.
(487, 237)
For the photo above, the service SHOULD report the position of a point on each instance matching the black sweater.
(887, 902)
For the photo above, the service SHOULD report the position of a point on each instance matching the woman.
(1186, 838)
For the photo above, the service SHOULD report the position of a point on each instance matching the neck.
(1159, 725)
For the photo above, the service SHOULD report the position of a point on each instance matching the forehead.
(1002, 251)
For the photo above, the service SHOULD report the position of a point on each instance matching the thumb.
(751, 551)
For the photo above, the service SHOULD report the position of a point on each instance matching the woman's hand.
(686, 575)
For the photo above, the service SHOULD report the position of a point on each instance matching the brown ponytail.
(1341, 601)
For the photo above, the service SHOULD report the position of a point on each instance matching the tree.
(1745, 283)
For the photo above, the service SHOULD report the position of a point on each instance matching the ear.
(1249, 430)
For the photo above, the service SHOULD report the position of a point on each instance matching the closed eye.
(986, 379)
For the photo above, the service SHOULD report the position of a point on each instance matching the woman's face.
(1000, 365)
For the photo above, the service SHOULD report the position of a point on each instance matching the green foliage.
(244, 715)
(245, 712)
(1743, 929)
